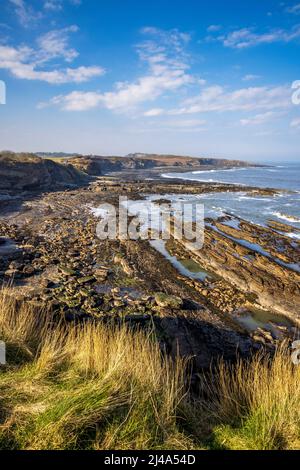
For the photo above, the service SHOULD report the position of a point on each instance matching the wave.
(198, 172)
(183, 177)
(293, 235)
(255, 198)
(286, 217)
(227, 170)
(168, 175)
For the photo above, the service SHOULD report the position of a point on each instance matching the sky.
(187, 77)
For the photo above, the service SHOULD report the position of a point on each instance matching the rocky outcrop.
(29, 172)
(98, 165)
(268, 273)
(282, 227)
(51, 256)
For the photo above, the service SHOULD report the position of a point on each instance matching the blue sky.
(187, 77)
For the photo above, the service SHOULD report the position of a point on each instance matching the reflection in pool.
(250, 319)
(253, 319)
(186, 267)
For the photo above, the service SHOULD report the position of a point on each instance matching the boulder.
(168, 301)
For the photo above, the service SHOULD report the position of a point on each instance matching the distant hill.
(99, 165)
(56, 154)
(23, 171)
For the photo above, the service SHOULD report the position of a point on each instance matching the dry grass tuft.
(89, 386)
(257, 404)
(102, 387)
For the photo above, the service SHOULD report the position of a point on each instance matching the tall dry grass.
(102, 387)
(85, 387)
(256, 404)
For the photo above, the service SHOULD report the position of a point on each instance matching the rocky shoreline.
(51, 256)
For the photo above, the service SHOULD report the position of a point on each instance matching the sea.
(284, 206)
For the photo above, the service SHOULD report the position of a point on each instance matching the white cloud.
(27, 63)
(217, 99)
(167, 66)
(211, 99)
(53, 5)
(127, 96)
(246, 37)
(167, 40)
(213, 28)
(186, 123)
(154, 112)
(295, 9)
(75, 101)
(57, 5)
(295, 123)
(147, 88)
(250, 77)
(25, 13)
(259, 119)
(55, 44)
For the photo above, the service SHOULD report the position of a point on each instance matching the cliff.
(98, 165)
(28, 172)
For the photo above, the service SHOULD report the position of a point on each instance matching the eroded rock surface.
(58, 261)
(29, 172)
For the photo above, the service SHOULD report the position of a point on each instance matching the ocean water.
(282, 207)
(282, 176)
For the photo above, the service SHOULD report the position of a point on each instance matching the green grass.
(103, 387)
(256, 404)
(88, 387)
